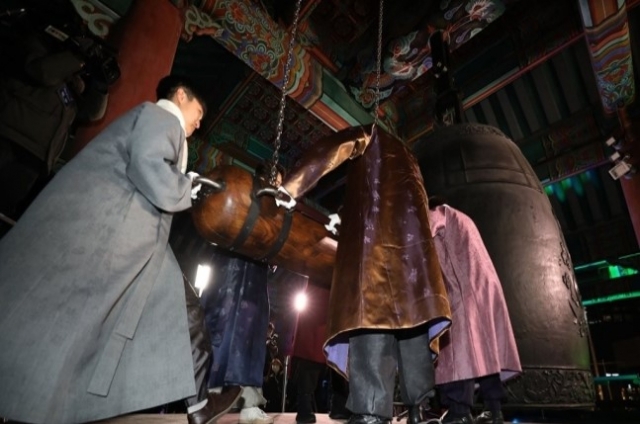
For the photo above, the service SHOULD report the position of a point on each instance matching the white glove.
(288, 204)
(194, 191)
(331, 226)
(196, 188)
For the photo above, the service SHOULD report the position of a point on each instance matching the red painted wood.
(147, 39)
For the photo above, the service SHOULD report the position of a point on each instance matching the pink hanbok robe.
(480, 341)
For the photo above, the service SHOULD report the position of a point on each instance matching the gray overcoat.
(93, 321)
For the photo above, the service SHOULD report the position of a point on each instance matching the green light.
(549, 189)
(577, 186)
(623, 377)
(612, 298)
(591, 265)
(559, 190)
(587, 176)
(614, 272)
(617, 271)
(632, 255)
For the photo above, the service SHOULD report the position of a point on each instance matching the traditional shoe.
(457, 419)
(340, 415)
(254, 415)
(488, 417)
(217, 405)
(415, 415)
(338, 407)
(367, 419)
(305, 418)
(305, 409)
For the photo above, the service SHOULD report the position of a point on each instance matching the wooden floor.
(286, 418)
(289, 418)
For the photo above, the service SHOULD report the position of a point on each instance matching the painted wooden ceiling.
(525, 67)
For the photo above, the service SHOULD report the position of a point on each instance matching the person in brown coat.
(388, 304)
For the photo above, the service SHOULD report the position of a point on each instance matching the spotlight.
(620, 169)
(300, 302)
(202, 278)
(613, 143)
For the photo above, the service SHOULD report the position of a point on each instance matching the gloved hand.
(196, 188)
(281, 199)
(331, 226)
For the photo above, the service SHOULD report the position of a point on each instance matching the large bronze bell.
(478, 170)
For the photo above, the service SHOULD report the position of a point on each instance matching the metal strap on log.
(250, 220)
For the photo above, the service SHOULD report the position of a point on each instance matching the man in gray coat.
(94, 320)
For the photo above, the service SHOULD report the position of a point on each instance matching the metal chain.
(287, 68)
(376, 104)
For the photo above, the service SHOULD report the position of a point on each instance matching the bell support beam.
(251, 35)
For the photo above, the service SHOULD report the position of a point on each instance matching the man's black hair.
(169, 85)
(436, 200)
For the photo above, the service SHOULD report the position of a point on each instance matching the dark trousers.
(374, 358)
(308, 373)
(339, 394)
(19, 173)
(200, 344)
(457, 396)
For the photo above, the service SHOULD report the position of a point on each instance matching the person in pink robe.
(480, 347)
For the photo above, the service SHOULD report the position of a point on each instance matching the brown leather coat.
(386, 273)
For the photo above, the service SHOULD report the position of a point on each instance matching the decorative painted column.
(631, 183)
(147, 39)
(607, 33)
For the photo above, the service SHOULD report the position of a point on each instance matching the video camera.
(100, 58)
(61, 24)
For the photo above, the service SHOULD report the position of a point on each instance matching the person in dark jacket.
(48, 81)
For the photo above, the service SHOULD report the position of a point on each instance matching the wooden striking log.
(226, 217)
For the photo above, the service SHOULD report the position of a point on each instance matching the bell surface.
(481, 172)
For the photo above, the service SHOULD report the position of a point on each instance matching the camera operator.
(55, 73)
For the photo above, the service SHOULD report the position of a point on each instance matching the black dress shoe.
(367, 419)
(305, 418)
(458, 419)
(415, 415)
(340, 415)
(488, 417)
(217, 405)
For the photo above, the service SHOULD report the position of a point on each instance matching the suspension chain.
(376, 104)
(283, 98)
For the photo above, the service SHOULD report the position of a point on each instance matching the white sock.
(198, 406)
